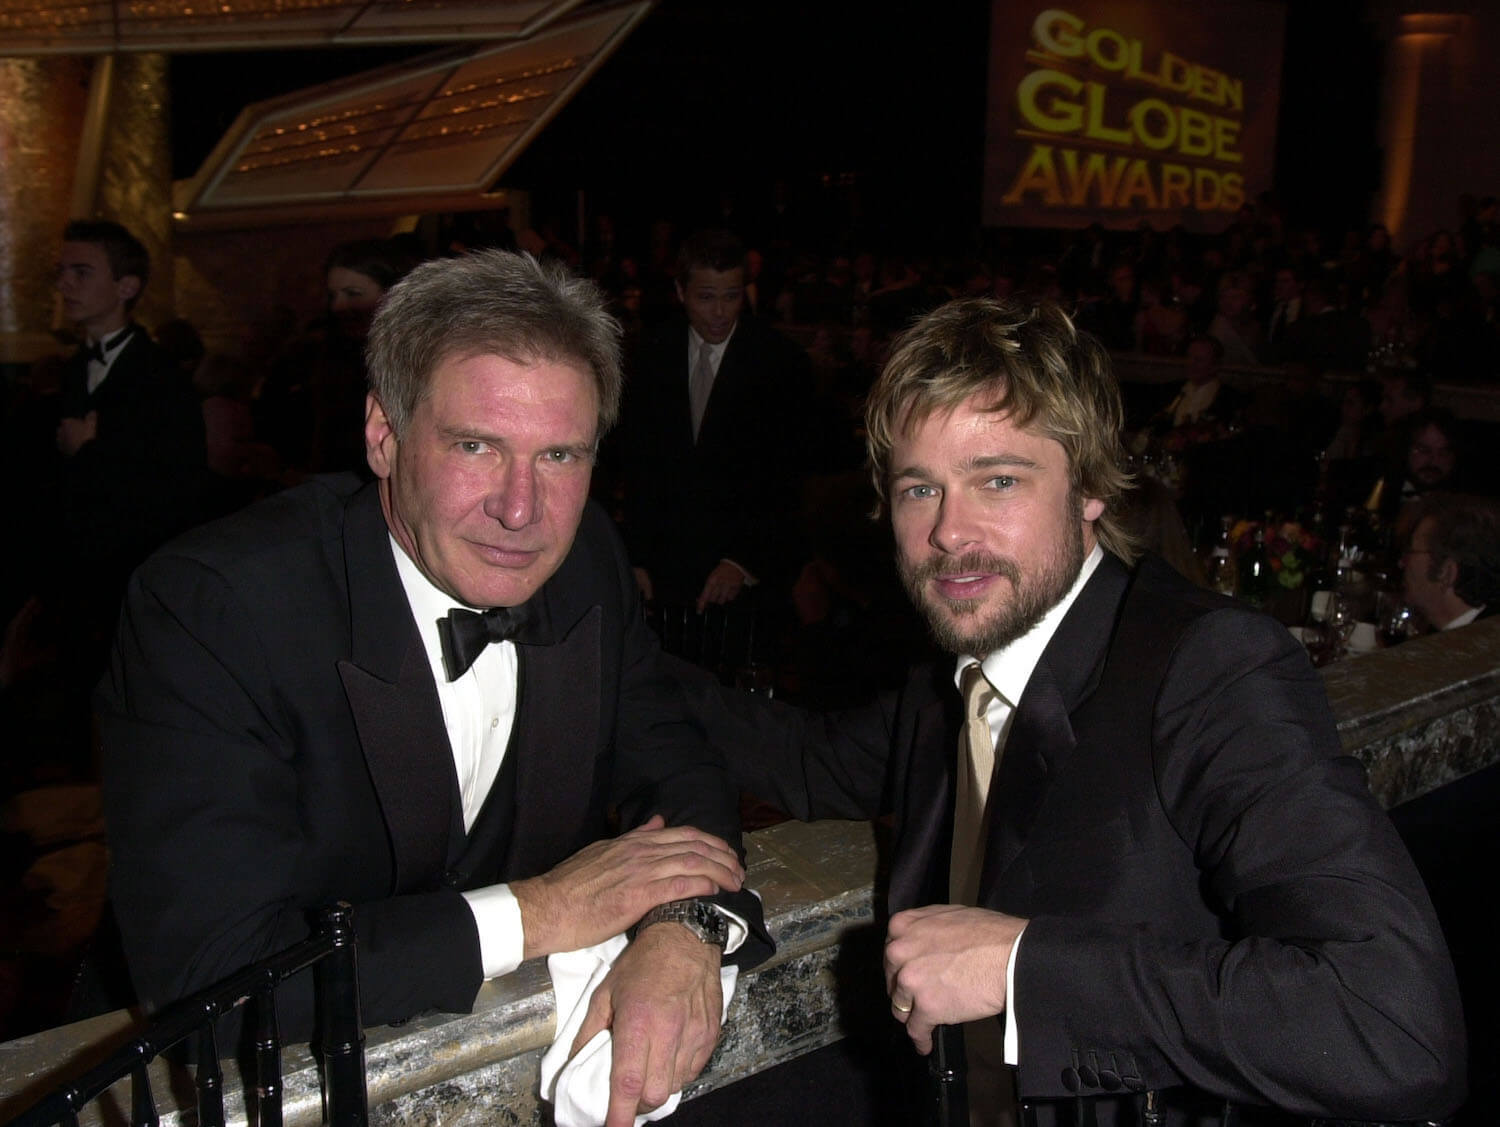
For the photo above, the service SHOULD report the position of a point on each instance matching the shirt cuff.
(750, 580)
(1012, 1033)
(738, 929)
(502, 939)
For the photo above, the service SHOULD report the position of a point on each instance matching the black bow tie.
(464, 633)
(100, 349)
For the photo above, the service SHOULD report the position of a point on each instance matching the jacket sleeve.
(1331, 991)
(662, 763)
(807, 764)
(222, 839)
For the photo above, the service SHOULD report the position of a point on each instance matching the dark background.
(873, 114)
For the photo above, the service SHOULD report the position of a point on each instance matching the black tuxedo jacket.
(148, 414)
(273, 741)
(1215, 899)
(144, 476)
(731, 494)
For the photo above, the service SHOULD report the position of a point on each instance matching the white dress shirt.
(479, 711)
(715, 351)
(1464, 619)
(1008, 670)
(112, 345)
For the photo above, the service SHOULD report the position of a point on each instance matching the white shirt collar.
(1467, 617)
(1010, 668)
(696, 343)
(428, 603)
(112, 344)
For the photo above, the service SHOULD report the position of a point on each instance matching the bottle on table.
(1221, 570)
(1255, 572)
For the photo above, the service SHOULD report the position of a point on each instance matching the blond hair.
(1028, 361)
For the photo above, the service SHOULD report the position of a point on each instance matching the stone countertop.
(1422, 714)
(1418, 716)
(815, 879)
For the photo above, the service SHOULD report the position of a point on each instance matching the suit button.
(1109, 1081)
(1088, 1077)
(452, 878)
(1070, 1079)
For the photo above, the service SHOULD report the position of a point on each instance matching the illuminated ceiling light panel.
(33, 27)
(431, 133)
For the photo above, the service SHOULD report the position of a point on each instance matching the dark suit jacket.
(732, 494)
(1215, 899)
(143, 478)
(273, 741)
(148, 414)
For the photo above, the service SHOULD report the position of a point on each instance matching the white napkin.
(578, 1089)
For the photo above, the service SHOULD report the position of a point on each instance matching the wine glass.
(1397, 621)
(1341, 619)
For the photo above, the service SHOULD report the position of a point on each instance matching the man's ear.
(127, 288)
(1093, 508)
(380, 438)
(1448, 573)
(681, 297)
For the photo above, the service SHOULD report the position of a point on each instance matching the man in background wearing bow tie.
(429, 696)
(131, 429)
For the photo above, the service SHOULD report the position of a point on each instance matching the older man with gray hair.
(430, 696)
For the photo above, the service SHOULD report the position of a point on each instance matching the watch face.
(706, 922)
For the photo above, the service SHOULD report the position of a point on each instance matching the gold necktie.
(976, 766)
(701, 386)
(991, 1084)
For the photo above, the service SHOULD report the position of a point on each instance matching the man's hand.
(606, 887)
(945, 965)
(73, 434)
(661, 1001)
(643, 583)
(722, 586)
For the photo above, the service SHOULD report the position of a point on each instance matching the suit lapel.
(557, 734)
(118, 385)
(394, 702)
(671, 373)
(1041, 736)
(922, 854)
(1040, 740)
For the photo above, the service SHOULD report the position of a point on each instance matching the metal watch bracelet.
(698, 916)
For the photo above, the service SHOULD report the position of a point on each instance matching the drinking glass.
(1397, 621)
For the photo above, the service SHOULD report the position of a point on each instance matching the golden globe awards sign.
(1118, 111)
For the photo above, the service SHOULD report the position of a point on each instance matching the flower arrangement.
(1293, 550)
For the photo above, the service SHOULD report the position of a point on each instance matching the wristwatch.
(701, 918)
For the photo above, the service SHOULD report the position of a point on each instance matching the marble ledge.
(481, 1067)
(1422, 714)
(1418, 716)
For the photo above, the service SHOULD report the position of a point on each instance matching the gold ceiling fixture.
(82, 27)
(432, 133)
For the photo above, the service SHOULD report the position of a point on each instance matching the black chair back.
(330, 952)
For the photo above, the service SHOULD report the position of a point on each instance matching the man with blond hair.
(1128, 854)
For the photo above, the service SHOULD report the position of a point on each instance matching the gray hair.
(490, 303)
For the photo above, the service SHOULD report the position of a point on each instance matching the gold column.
(79, 138)
(135, 171)
(1417, 99)
(42, 105)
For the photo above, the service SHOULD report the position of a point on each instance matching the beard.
(960, 626)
